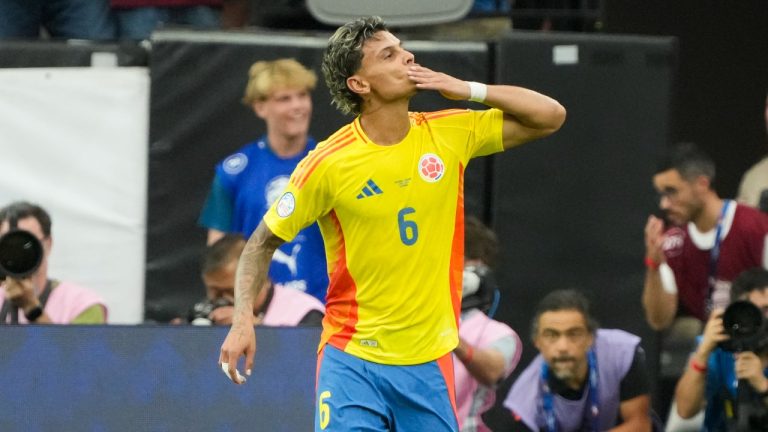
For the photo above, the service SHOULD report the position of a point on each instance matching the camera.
(20, 254)
(198, 315)
(479, 289)
(745, 324)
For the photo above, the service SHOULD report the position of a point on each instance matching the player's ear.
(358, 85)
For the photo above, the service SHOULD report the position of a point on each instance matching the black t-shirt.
(634, 384)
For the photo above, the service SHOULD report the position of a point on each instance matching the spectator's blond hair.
(264, 77)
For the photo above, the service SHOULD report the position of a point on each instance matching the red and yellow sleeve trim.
(305, 169)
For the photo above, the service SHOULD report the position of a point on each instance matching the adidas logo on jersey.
(370, 189)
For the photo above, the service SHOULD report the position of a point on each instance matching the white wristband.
(477, 91)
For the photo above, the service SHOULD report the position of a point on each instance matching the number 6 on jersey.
(409, 231)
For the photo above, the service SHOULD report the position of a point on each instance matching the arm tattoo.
(253, 269)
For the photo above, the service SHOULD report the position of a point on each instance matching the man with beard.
(583, 378)
(691, 263)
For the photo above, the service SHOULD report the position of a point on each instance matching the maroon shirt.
(687, 252)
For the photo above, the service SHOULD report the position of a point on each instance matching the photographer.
(488, 350)
(36, 298)
(275, 305)
(718, 364)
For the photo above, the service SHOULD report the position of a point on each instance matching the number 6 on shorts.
(324, 410)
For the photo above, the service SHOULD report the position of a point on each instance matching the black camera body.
(198, 315)
(745, 324)
(20, 254)
(479, 289)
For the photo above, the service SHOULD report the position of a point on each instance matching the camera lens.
(743, 322)
(742, 318)
(200, 311)
(20, 253)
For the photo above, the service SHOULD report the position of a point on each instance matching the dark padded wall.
(38, 53)
(196, 119)
(723, 74)
(570, 209)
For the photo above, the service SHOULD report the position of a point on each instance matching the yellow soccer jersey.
(392, 219)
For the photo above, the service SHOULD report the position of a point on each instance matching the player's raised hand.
(448, 86)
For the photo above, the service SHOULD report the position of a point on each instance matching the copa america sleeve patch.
(286, 205)
(235, 164)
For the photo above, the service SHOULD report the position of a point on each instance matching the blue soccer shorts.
(357, 395)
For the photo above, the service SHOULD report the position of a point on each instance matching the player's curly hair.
(343, 57)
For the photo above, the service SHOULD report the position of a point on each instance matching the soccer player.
(387, 192)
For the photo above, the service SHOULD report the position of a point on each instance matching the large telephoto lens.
(743, 322)
(20, 254)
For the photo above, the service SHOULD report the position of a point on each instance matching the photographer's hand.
(689, 392)
(21, 293)
(714, 333)
(222, 315)
(750, 367)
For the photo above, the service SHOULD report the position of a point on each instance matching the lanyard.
(714, 256)
(548, 403)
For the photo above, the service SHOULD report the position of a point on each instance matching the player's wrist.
(477, 91)
(243, 319)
